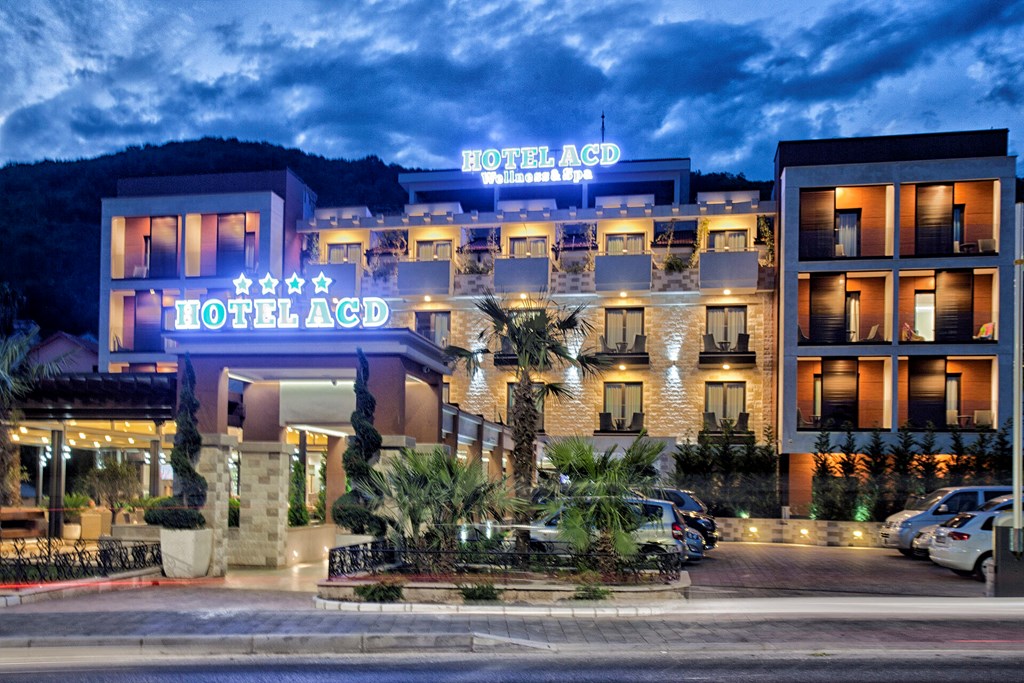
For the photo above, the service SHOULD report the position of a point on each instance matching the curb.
(97, 584)
(283, 644)
(498, 609)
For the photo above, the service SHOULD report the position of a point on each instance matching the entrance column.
(56, 526)
(154, 461)
(336, 477)
(264, 474)
(214, 459)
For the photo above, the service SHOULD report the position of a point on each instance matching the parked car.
(695, 513)
(663, 529)
(899, 529)
(695, 547)
(965, 542)
(922, 541)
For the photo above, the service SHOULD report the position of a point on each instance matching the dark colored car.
(694, 513)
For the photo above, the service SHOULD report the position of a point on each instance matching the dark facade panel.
(954, 305)
(839, 389)
(828, 308)
(817, 224)
(933, 231)
(926, 391)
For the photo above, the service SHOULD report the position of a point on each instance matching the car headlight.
(906, 525)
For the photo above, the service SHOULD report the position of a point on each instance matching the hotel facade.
(872, 291)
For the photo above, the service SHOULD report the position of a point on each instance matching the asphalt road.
(655, 666)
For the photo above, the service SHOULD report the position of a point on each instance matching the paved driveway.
(779, 570)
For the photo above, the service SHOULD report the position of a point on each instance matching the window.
(622, 400)
(436, 250)
(446, 392)
(853, 316)
(727, 240)
(726, 323)
(344, 253)
(953, 394)
(958, 223)
(964, 501)
(924, 315)
(528, 247)
(250, 251)
(230, 244)
(725, 399)
(435, 326)
(538, 392)
(848, 232)
(624, 244)
(621, 327)
(817, 397)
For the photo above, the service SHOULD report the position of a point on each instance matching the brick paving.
(735, 571)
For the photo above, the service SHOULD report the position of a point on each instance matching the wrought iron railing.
(378, 556)
(51, 560)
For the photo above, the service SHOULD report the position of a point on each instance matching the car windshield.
(1000, 503)
(925, 502)
(960, 520)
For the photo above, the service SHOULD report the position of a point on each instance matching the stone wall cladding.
(473, 284)
(687, 280)
(802, 531)
(264, 470)
(213, 465)
(572, 283)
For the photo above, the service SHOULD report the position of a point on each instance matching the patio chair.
(742, 343)
(605, 422)
(952, 419)
(987, 331)
(742, 423)
(711, 423)
(872, 335)
(604, 345)
(639, 344)
(987, 246)
(801, 337)
(801, 423)
(709, 344)
(983, 419)
(637, 423)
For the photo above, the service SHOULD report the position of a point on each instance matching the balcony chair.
(637, 423)
(742, 343)
(639, 344)
(604, 345)
(987, 331)
(709, 344)
(840, 250)
(140, 271)
(801, 337)
(983, 419)
(742, 423)
(987, 246)
(801, 423)
(605, 422)
(872, 335)
(711, 423)
(952, 419)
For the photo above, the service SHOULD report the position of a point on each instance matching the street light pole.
(1017, 533)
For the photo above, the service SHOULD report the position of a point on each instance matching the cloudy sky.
(416, 81)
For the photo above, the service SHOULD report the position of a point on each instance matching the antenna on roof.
(602, 126)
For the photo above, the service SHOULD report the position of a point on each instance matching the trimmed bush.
(480, 591)
(234, 511)
(388, 589)
(348, 511)
(171, 513)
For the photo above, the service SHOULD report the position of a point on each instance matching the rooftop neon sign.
(514, 165)
(271, 311)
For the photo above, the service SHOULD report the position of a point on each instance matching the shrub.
(674, 264)
(74, 503)
(589, 587)
(234, 511)
(171, 514)
(349, 512)
(388, 589)
(480, 591)
(298, 513)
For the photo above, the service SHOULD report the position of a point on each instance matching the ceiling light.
(107, 438)
(72, 442)
(522, 296)
(81, 435)
(427, 298)
(46, 439)
(622, 367)
(725, 366)
(23, 430)
(15, 437)
(96, 444)
(131, 439)
(727, 292)
(622, 295)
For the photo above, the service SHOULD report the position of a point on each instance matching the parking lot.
(769, 570)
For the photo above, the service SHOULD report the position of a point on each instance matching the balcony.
(425, 277)
(844, 308)
(846, 223)
(829, 393)
(948, 219)
(624, 354)
(726, 355)
(947, 392)
(948, 306)
(732, 272)
(619, 272)
(607, 424)
(529, 274)
(345, 277)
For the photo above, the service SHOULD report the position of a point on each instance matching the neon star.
(269, 284)
(295, 284)
(321, 282)
(242, 284)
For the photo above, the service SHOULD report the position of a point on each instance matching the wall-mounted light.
(727, 292)
(621, 366)
(725, 366)
(427, 298)
(622, 295)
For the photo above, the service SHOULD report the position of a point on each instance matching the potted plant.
(185, 545)
(74, 503)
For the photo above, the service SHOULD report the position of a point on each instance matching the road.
(654, 666)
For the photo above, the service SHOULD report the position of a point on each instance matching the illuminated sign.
(514, 165)
(271, 311)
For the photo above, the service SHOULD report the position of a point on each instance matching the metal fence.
(51, 560)
(378, 556)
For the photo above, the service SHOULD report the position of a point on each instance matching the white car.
(923, 541)
(965, 542)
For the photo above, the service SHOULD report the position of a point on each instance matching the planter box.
(521, 592)
(135, 532)
(801, 531)
(186, 552)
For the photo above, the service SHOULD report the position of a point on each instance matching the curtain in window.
(230, 244)
(148, 322)
(718, 240)
(442, 325)
(616, 244)
(424, 251)
(817, 395)
(736, 240)
(735, 400)
(714, 398)
(520, 249)
(613, 401)
(634, 244)
(443, 250)
(847, 233)
(613, 327)
(953, 393)
(538, 247)
(716, 323)
(633, 401)
(634, 326)
(250, 251)
(163, 259)
(737, 324)
(853, 315)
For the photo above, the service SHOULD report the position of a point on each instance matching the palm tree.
(541, 336)
(595, 514)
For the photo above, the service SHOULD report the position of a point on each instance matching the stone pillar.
(494, 468)
(336, 478)
(264, 469)
(214, 459)
(57, 470)
(154, 464)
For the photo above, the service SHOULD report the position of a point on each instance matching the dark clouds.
(415, 82)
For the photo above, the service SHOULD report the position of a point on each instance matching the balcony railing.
(530, 274)
(735, 271)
